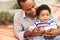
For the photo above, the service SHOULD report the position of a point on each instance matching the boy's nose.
(45, 17)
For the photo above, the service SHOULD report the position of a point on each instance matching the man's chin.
(33, 15)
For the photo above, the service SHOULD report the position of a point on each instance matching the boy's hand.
(32, 32)
(42, 29)
(36, 32)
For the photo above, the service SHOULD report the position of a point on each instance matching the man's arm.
(18, 28)
(34, 32)
(20, 33)
(53, 32)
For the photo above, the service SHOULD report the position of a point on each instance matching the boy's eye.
(47, 14)
(42, 15)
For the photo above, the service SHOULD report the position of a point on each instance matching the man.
(25, 18)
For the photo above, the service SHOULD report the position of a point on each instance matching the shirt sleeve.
(18, 28)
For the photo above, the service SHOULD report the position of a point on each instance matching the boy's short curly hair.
(42, 7)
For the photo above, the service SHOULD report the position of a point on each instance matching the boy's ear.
(38, 16)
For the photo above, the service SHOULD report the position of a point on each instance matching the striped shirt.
(50, 24)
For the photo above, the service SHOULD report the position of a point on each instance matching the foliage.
(16, 6)
(5, 18)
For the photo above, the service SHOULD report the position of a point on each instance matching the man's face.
(44, 16)
(29, 7)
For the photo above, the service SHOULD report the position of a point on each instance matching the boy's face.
(44, 16)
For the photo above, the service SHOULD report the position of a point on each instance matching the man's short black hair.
(20, 1)
(42, 7)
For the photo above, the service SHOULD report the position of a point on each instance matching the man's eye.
(33, 6)
(28, 9)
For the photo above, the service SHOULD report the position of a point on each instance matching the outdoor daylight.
(29, 19)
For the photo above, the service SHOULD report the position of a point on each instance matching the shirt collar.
(24, 16)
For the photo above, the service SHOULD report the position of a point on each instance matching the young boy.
(43, 20)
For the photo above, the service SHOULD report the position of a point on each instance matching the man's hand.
(51, 33)
(36, 32)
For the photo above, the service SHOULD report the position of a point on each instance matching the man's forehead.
(28, 1)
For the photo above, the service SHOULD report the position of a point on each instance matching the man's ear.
(23, 9)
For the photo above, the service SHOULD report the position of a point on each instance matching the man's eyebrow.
(33, 5)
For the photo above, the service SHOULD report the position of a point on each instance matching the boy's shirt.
(50, 24)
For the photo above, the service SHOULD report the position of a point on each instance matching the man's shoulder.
(19, 13)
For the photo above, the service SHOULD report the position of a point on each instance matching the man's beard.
(30, 15)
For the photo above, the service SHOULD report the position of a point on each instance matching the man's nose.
(33, 10)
